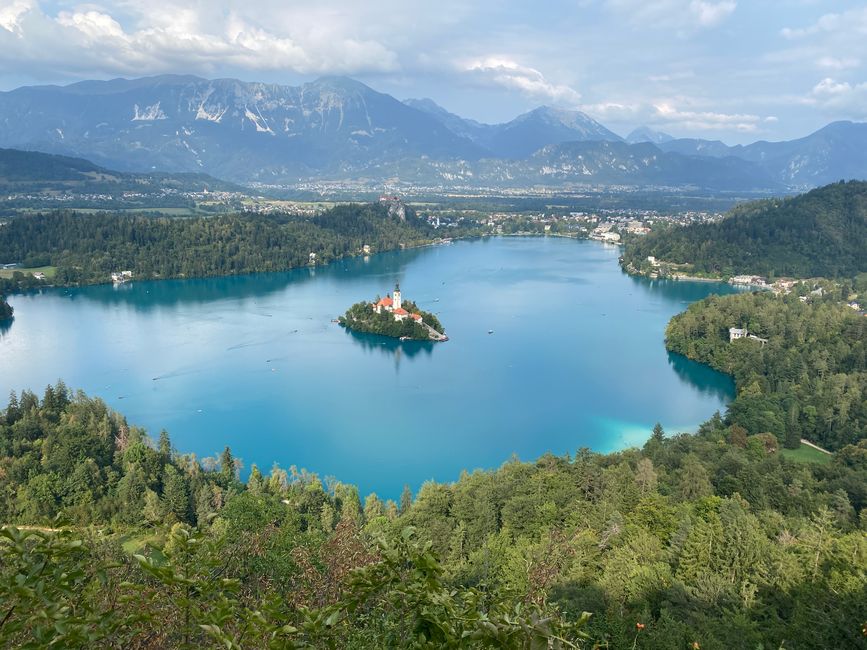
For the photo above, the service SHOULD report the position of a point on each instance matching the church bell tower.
(396, 296)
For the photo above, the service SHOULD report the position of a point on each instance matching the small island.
(395, 317)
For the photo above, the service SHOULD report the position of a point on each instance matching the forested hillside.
(819, 234)
(810, 378)
(702, 541)
(88, 247)
(36, 172)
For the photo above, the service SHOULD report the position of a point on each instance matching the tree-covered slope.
(702, 541)
(808, 381)
(36, 172)
(88, 247)
(821, 233)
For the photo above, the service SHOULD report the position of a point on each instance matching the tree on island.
(6, 310)
(363, 317)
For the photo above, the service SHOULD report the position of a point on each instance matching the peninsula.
(395, 317)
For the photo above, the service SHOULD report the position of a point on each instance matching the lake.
(576, 359)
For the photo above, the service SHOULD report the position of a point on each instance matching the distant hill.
(35, 172)
(835, 152)
(28, 166)
(821, 233)
(646, 134)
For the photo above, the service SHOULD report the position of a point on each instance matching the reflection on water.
(6, 325)
(146, 296)
(391, 347)
(703, 378)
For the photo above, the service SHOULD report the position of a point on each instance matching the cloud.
(507, 73)
(835, 63)
(10, 16)
(674, 13)
(839, 98)
(707, 120)
(827, 23)
(168, 38)
(709, 14)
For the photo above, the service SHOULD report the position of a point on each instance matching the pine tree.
(255, 484)
(13, 410)
(176, 496)
(165, 446)
(227, 467)
(405, 500)
(373, 507)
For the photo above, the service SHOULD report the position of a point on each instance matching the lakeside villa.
(736, 333)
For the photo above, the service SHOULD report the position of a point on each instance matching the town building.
(394, 305)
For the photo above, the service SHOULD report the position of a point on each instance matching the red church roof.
(385, 302)
(400, 311)
(415, 316)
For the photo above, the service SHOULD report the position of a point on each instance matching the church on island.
(393, 304)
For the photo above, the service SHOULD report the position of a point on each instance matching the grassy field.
(49, 271)
(805, 454)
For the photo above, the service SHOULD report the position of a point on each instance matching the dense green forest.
(6, 310)
(86, 248)
(362, 318)
(809, 380)
(695, 541)
(819, 234)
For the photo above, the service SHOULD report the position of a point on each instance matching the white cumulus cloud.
(166, 38)
(706, 120)
(10, 15)
(507, 73)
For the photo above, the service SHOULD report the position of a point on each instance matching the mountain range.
(337, 128)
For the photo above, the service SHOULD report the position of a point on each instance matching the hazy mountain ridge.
(835, 152)
(32, 171)
(646, 134)
(336, 128)
(524, 135)
(226, 127)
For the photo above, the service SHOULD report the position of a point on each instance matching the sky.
(734, 70)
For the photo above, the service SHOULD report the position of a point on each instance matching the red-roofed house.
(385, 303)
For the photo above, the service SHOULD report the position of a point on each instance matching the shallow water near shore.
(576, 359)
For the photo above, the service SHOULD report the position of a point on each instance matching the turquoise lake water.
(576, 359)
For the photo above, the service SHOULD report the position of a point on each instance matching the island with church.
(395, 317)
